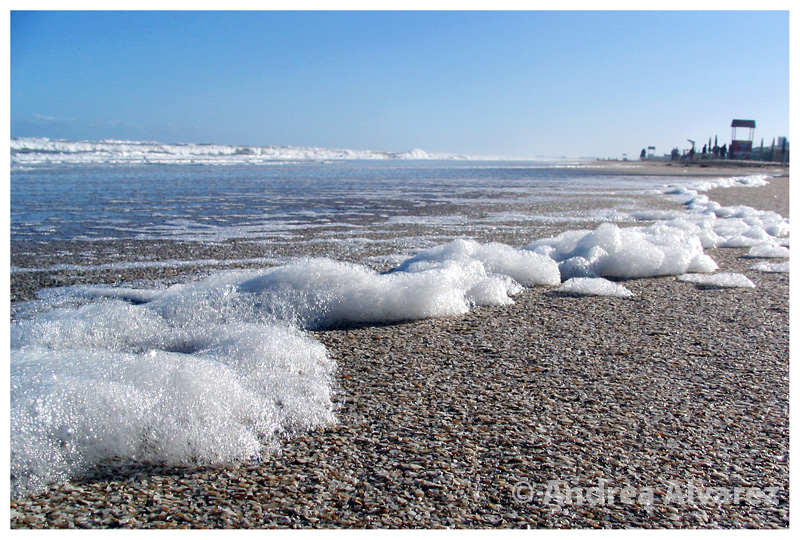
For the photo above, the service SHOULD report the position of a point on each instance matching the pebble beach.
(668, 409)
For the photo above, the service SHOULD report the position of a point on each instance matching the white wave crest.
(38, 151)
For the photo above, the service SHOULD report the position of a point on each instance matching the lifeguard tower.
(742, 148)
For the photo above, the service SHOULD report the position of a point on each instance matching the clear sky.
(512, 84)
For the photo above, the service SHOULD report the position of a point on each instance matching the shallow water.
(344, 202)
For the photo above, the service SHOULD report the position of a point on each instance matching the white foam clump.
(594, 287)
(731, 226)
(691, 190)
(768, 251)
(526, 268)
(722, 280)
(217, 369)
(671, 246)
(157, 391)
(749, 232)
(664, 248)
(323, 293)
(764, 266)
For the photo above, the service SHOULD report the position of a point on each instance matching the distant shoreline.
(688, 168)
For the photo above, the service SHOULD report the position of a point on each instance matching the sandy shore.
(715, 168)
(465, 422)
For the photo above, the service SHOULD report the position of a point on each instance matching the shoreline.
(717, 168)
(25, 284)
(440, 419)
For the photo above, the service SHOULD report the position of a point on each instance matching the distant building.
(742, 148)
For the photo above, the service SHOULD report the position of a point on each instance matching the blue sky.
(513, 84)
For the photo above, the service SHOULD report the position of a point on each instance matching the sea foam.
(764, 266)
(664, 248)
(217, 369)
(157, 391)
(724, 280)
(594, 287)
(768, 251)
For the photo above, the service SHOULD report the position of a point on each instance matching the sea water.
(223, 368)
(272, 202)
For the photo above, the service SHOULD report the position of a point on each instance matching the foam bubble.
(205, 394)
(722, 280)
(321, 293)
(764, 266)
(218, 369)
(594, 287)
(631, 252)
(768, 251)
(733, 226)
(526, 268)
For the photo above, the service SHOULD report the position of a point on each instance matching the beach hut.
(742, 148)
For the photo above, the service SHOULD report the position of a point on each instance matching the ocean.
(398, 203)
(223, 367)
